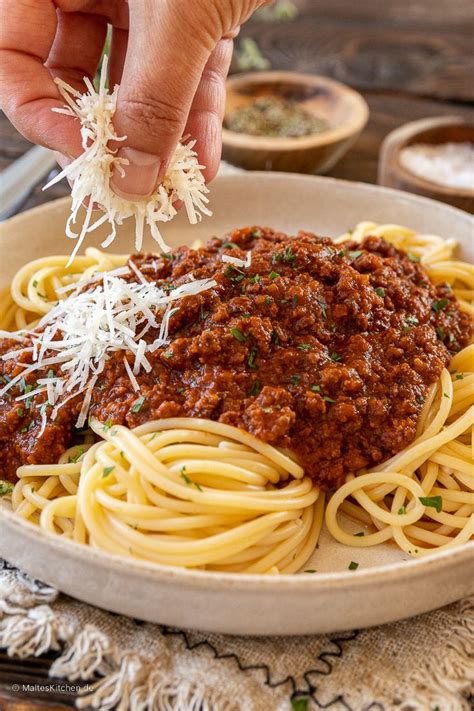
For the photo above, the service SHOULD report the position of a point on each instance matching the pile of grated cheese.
(80, 334)
(91, 172)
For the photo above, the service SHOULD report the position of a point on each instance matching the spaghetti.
(198, 493)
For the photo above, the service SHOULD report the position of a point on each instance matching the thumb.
(165, 60)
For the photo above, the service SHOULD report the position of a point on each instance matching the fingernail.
(140, 176)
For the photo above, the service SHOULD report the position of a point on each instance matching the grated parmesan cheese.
(236, 262)
(88, 326)
(92, 170)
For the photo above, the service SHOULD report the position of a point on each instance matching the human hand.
(170, 57)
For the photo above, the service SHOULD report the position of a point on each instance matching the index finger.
(27, 89)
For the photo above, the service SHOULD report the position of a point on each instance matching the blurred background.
(409, 59)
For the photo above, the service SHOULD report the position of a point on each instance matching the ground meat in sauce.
(325, 350)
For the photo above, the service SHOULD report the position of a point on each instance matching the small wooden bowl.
(344, 110)
(446, 129)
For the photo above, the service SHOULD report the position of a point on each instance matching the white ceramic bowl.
(386, 586)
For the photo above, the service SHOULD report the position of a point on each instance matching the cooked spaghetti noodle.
(197, 493)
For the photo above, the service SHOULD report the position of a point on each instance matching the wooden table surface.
(409, 59)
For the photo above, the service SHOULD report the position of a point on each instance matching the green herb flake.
(304, 347)
(22, 385)
(180, 391)
(410, 321)
(341, 253)
(268, 301)
(328, 399)
(402, 511)
(359, 534)
(256, 388)
(353, 565)
(189, 481)
(380, 291)
(316, 388)
(6, 487)
(138, 404)
(273, 275)
(230, 245)
(295, 379)
(440, 332)
(274, 338)
(20, 412)
(35, 283)
(246, 315)
(203, 314)
(439, 305)
(237, 333)
(412, 257)
(28, 427)
(107, 471)
(251, 358)
(310, 570)
(75, 458)
(446, 395)
(434, 502)
(300, 703)
(354, 254)
(267, 410)
(255, 279)
(294, 301)
(168, 354)
(459, 376)
(108, 424)
(335, 357)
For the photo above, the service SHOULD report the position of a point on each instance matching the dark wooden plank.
(424, 48)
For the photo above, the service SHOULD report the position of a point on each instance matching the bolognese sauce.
(324, 350)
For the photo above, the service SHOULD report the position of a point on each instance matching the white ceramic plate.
(386, 586)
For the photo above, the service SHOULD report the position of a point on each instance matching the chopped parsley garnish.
(310, 570)
(402, 511)
(107, 471)
(267, 410)
(294, 301)
(246, 315)
(353, 565)
(412, 257)
(256, 233)
(304, 347)
(380, 291)
(256, 388)
(75, 458)
(138, 404)
(359, 534)
(28, 427)
(230, 245)
(108, 424)
(255, 279)
(35, 283)
(323, 308)
(439, 305)
(410, 321)
(273, 275)
(180, 390)
(20, 412)
(287, 256)
(237, 333)
(168, 354)
(420, 398)
(234, 274)
(268, 300)
(189, 481)
(440, 332)
(295, 379)
(328, 399)
(203, 314)
(274, 339)
(434, 502)
(169, 255)
(459, 376)
(336, 357)
(316, 388)
(355, 253)
(446, 395)
(341, 253)
(251, 358)
(6, 487)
